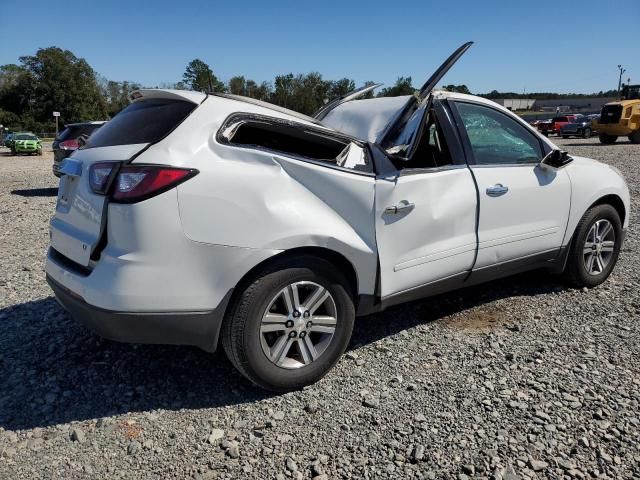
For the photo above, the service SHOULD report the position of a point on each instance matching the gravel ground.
(520, 378)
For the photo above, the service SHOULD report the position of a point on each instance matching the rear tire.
(634, 137)
(252, 347)
(607, 139)
(598, 234)
(586, 133)
(565, 136)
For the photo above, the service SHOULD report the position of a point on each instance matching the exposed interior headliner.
(365, 119)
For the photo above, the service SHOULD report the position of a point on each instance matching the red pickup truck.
(555, 124)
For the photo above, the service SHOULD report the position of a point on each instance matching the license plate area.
(65, 189)
(70, 242)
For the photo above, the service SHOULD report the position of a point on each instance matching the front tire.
(289, 326)
(586, 133)
(634, 137)
(595, 247)
(607, 139)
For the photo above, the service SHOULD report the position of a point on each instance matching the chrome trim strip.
(495, 242)
(435, 256)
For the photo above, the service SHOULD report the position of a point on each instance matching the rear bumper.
(150, 284)
(200, 329)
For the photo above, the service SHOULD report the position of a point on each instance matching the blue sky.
(537, 45)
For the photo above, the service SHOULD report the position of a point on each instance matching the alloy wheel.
(599, 247)
(298, 325)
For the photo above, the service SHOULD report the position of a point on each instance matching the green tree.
(457, 88)
(199, 77)
(117, 95)
(16, 90)
(263, 92)
(310, 92)
(341, 87)
(368, 83)
(402, 87)
(62, 82)
(237, 85)
(283, 92)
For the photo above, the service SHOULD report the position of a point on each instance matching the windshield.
(26, 137)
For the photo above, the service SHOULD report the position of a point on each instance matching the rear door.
(80, 215)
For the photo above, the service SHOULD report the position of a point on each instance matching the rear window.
(74, 131)
(146, 121)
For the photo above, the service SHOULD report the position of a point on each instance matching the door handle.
(400, 207)
(497, 190)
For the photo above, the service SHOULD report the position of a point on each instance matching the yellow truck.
(621, 118)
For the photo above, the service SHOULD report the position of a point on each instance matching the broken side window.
(293, 139)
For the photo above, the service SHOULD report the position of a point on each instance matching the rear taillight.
(100, 176)
(134, 183)
(69, 145)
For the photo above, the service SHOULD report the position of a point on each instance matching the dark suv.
(72, 137)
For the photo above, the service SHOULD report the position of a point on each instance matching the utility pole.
(56, 115)
(622, 70)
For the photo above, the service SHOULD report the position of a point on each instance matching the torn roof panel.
(365, 119)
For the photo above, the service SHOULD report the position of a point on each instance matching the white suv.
(192, 218)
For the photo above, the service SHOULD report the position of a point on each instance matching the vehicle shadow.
(420, 312)
(55, 371)
(37, 192)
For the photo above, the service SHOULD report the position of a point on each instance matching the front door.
(426, 214)
(524, 207)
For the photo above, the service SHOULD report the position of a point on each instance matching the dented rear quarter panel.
(252, 198)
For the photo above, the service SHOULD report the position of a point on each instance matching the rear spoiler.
(184, 95)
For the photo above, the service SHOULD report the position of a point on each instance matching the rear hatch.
(80, 217)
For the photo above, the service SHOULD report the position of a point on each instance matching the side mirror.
(556, 159)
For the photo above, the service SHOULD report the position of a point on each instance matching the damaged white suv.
(192, 219)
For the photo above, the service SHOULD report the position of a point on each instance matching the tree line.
(56, 80)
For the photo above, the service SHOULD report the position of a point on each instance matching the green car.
(26, 143)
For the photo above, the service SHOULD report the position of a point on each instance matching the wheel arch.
(606, 199)
(615, 201)
(335, 258)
